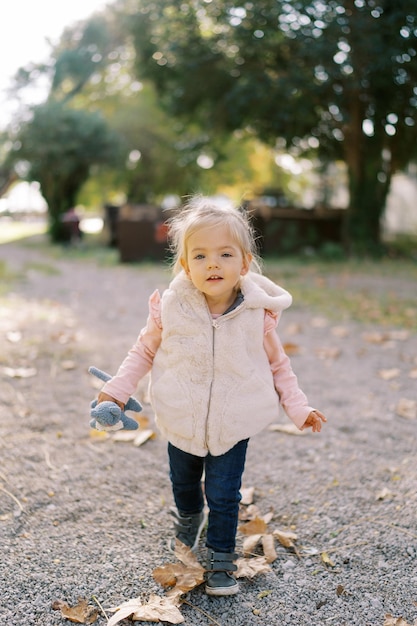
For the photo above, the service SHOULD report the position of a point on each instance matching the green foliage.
(336, 77)
(58, 148)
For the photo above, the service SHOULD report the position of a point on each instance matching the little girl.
(218, 373)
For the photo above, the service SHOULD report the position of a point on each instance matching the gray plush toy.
(108, 415)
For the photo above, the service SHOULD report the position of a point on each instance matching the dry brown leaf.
(285, 538)
(399, 335)
(269, 548)
(340, 331)
(156, 609)
(68, 365)
(319, 322)
(247, 513)
(389, 620)
(82, 613)
(389, 374)
(249, 544)
(407, 408)
(249, 568)
(256, 526)
(183, 576)
(328, 353)
(291, 349)
(293, 329)
(375, 337)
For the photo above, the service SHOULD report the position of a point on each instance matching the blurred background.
(302, 112)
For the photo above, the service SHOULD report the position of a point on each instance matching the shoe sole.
(222, 591)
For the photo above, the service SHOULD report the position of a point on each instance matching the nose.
(212, 262)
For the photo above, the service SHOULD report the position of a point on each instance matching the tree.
(58, 147)
(337, 77)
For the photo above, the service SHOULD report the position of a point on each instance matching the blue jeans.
(223, 479)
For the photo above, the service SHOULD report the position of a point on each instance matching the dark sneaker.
(219, 579)
(188, 528)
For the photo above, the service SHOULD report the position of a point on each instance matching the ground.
(85, 516)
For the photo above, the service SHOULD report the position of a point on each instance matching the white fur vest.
(211, 382)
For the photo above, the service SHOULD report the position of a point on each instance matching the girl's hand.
(104, 397)
(314, 421)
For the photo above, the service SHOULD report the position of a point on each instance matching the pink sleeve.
(292, 399)
(139, 359)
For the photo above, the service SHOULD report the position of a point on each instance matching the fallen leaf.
(269, 548)
(250, 543)
(412, 373)
(399, 335)
(375, 337)
(407, 408)
(82, 613)
(156, 609)
(319, 322)
(247, 513)
(383, 494)
(254, 527)
(264, 594)
(389, 374)
(291, 349)
(138, 438)
(14, 336)
(183, 576)
(68, 365)
(340, 331)
(287, 429)
(143, 436)
(326, 559)
(19, 372)
(285, 538)
(394, 621)
(328, 353)
(249, 568)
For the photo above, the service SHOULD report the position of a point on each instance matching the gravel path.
(81, 516)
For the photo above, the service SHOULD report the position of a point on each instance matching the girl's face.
(214, 263)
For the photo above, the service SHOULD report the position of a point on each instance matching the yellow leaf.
(326, 559)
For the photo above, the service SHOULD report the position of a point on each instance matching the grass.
(371, 292)
(381, 292)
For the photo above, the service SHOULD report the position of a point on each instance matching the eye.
(227, 254)
(198, 257)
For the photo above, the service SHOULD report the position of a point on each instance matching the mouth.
(214, 277)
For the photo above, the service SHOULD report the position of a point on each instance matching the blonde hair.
(200, 212)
